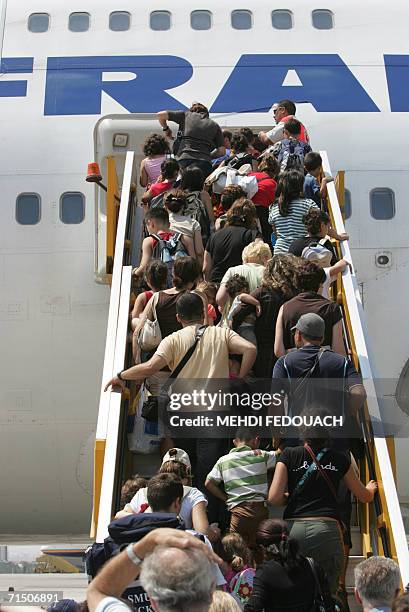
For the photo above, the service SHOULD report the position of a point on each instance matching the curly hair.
(155, 144)
(313, 219)
(242, 213)
(230, 194)
(130, 487)
(310, 276)
(270, 166)
(281, 275)
(237, 284)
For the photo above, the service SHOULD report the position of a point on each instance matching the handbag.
(150, 409)
(318, 604)
(150, 335)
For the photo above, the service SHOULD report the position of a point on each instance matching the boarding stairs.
(379, 527)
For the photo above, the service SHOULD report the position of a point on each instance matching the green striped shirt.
(244, 474)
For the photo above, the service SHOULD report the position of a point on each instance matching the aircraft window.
(38, 22)
(72, 207)
(28, 208)
(282, 20)
(347, 204)
(241, 20)
(160, 20)
(78, 22)
(382, 202)
(119, 21)
(201, 20)
(322, 19)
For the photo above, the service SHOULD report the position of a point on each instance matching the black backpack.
(195, 209)
(123, 531)
(98, 554)
(239, 160)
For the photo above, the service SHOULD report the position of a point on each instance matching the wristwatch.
(132, 556)
(166, 129)
(119, 375)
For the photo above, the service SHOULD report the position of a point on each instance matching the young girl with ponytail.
(284, 578)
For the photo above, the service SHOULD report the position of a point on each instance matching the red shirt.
(266, 189)
(158, 188)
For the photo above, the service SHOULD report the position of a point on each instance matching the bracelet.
(132, 556)
(119, 375)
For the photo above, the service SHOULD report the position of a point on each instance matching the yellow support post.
(99, 455)
(112, 212)
(340, 188)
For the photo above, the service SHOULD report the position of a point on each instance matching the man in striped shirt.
(243, 473)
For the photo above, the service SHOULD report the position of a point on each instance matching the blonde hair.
(235, 551)
(223, 602)
(256, 252)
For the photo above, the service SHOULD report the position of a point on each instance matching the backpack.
(195, 209)
(290, 154)
(168, 250)
(318, 253)
(239, 160)
(241, 585)
(98, 554)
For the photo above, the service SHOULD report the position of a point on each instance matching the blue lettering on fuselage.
(74, 85)
(15, 65)
(397, 75)
(327, 83)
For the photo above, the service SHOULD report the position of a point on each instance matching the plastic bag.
(146, 436)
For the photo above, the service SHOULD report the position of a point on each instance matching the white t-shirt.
(192, 496)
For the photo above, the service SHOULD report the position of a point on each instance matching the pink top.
(152, 168)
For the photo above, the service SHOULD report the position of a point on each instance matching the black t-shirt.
(226, 247)
(309, 301)
(276, 589)
(315, 497)
(298, 245)
(325, 382)
(200, 135)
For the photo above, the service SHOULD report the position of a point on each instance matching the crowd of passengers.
(237, 264)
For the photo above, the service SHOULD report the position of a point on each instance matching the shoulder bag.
(179, 137)
(150, 407)
(150, 335)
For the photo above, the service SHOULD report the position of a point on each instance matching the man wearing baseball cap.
(315, 375)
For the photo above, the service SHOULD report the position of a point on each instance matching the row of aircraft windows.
(72, 206)
(120, 21)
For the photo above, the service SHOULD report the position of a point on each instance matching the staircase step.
(352, 563)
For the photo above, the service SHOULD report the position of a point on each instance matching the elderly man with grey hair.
(175, 568)
(377, 582)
